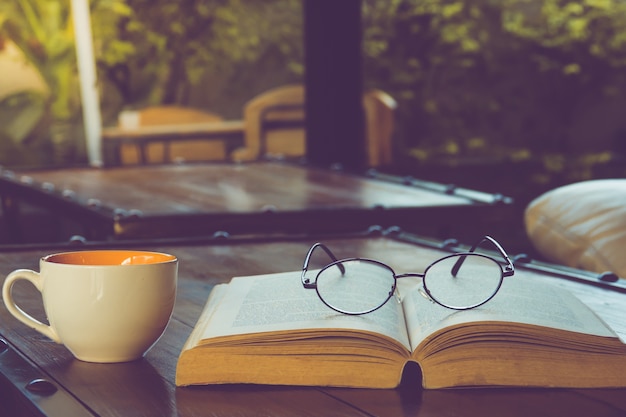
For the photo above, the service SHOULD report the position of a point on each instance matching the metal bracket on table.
(24, 379)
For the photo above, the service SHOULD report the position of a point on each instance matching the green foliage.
(515, 73)
(22, 130)
(40, 29)
(20, 115)
(43, 30)
(164, 50)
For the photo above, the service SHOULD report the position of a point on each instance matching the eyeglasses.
(460, 281)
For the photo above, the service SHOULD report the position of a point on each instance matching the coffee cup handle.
(37, 280)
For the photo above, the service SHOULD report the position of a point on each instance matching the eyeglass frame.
(506, 270)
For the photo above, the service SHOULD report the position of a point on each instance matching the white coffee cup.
(103, 305)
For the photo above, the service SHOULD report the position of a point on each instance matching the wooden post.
(335, 127)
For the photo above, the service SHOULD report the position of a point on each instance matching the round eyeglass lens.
(463, 281)
(362, 288)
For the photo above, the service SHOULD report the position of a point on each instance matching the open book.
(269, 330)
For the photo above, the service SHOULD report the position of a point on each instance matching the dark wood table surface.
(258, 197)
(146, 387)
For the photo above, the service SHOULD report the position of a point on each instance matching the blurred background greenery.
(491, 94)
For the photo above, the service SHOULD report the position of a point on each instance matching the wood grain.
(258, 197)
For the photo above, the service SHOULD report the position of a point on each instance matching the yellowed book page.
(521, 299)
(217, 293)
(279, 303)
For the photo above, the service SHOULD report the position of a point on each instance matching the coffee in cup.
(103, 305)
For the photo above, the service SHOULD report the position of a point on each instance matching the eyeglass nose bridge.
(408, 275)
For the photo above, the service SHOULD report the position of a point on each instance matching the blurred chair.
(166, 151)
(274, 125)
(379, 110)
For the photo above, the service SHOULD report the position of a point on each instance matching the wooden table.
(258, 197)
(146, 387)
(231, 131)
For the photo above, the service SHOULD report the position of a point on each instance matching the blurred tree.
(43, 31)
(164, 50)
(471, 75)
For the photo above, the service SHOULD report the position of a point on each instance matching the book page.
(521, 299)
(278, 302)
(216, 295)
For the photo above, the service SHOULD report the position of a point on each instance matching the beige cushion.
(582, 225)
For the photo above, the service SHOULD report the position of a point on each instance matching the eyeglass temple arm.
(509, 269)
(306, 282)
